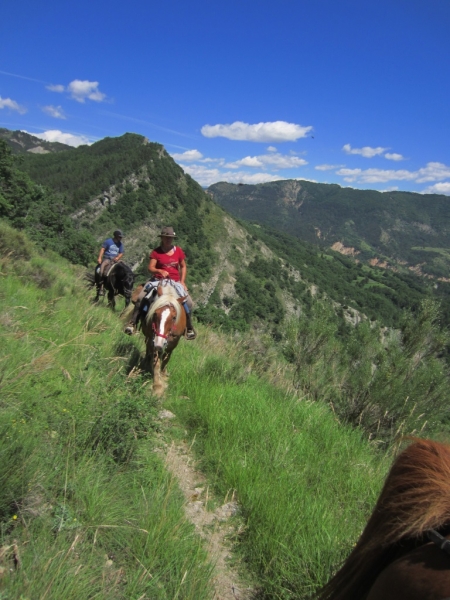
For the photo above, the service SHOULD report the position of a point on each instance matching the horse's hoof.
(158, 391)
(129, 329)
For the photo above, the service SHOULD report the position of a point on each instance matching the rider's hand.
(164, 273)
(99, 261)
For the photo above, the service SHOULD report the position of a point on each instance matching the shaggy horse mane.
(415, 498)
(169, 296)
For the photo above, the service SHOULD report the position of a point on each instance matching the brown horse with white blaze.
(403, 552)
(163, 327)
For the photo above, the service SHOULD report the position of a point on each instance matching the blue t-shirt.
(111, 248)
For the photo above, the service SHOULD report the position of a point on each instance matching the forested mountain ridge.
(239, 274)
(397, 229)
(21, 142)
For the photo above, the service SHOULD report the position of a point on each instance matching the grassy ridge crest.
(86, 503)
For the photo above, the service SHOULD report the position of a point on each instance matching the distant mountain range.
(400, 230)
(21, 143)
(239, 272)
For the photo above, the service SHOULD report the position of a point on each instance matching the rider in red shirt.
(167, 262)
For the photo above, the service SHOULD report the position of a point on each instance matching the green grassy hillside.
(82, 486)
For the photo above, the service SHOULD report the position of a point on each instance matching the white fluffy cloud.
(375, 175)
(54, 111)
(80, 90)
(433, 171)
(207, 176)
(366, 151)
(328, 167)
(55, 135)
(438, 188)
(189, 155)
(273, 160)
(12, 105)
(394, 156)
(276, 131)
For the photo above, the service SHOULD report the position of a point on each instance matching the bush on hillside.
(389, 384)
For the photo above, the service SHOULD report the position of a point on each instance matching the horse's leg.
(164, 364)
(111, 300)
(158, 382)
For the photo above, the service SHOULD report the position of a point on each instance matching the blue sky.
(351, 92)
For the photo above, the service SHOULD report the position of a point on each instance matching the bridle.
(439, 540)
(162, 335)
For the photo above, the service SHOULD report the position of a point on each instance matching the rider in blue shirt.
(111, 252)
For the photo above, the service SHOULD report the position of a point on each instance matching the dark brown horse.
(394, 558)
(118, 281)
(163, 327)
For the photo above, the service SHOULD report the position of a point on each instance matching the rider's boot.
(190, 331)
(131, 327)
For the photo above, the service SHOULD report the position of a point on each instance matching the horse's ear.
(181, 300)
(160, 290)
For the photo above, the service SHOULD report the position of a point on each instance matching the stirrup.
(190, 334)
(129, 329)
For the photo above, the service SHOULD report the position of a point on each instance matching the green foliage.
(147, 186)
(118, 430)
(399, 225)
(32, 208)
(381, 295)
(389, 384)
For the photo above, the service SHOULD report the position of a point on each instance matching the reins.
(441, 542)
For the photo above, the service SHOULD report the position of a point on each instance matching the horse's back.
(422, 574)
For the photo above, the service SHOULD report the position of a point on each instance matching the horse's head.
(164, 316)
(163, 324)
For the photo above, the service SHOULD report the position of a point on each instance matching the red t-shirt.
(171, 264)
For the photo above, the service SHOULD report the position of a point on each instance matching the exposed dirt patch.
(212, 525)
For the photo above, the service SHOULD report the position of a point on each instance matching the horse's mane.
(120, 268)
(169, 296)
(415, 498)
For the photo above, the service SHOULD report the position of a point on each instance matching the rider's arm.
(100, 256)
(152, 268)
(183, 272)
(118, 257)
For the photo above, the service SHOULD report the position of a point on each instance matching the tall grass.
(305, 484)
(87, 509)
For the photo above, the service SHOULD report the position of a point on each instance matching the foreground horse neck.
(420, 574)
(414, 499)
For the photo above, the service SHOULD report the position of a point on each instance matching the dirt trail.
(212, 526)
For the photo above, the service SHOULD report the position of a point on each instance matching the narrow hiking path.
(213, 525)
